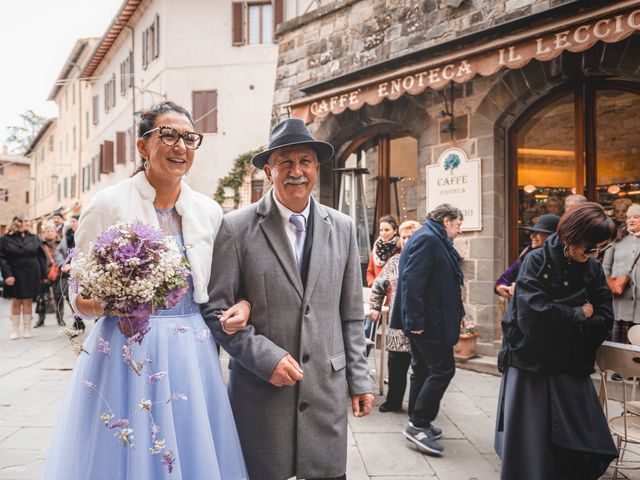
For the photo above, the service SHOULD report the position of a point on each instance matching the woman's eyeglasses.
(170, 136)
(595, 249)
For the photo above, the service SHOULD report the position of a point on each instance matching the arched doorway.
(582, 137)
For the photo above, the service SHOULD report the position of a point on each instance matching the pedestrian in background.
(571, 201)
(550, 424)
(51, 289)
(397, 343)
(60, 256)
(58, 220)
(545, 226)
(428, 308)
(619, 260)
(385, 246)
(23, 266)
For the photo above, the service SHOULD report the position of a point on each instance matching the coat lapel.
(321, 233)
(271, 225)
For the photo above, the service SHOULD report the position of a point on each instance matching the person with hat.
(619, 260)
(58, 220)
(296, 261)
(545, 226)
(23, 267)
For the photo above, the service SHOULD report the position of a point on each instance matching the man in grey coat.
(302, 354)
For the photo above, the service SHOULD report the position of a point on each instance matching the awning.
(608, 24)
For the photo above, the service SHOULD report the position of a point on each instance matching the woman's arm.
(371, 273)
(538, 315)
(607, 261)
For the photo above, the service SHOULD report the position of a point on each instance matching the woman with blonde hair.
(397, 344)
(23, 267)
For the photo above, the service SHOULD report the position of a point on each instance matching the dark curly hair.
(148, 121)
(586, 224)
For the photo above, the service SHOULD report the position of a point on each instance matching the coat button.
(307, 310)
(305, 358)
(303, 406)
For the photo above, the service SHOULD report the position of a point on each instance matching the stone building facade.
(543, 92)
(14, 187)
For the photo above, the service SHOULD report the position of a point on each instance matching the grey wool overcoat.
(298, 430)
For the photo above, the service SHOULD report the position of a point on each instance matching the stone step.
(481, 364)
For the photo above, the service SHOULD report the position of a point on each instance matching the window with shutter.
(130, 69)
(113, 89)
(237, 10)
(145, 59)
(205, 111)
(96, 109)
(156, 37)
(278, 13)
(260, 23)
(123, 78)
(121, 147)
(109, 165)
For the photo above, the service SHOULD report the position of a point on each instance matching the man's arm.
(255, 352)
(352, 317)
(414, 277)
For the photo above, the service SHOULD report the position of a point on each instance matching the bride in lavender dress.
(173, 420)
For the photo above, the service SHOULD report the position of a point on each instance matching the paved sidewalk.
(34, 374)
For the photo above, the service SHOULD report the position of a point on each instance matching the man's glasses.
(170, 136)
(595, 249)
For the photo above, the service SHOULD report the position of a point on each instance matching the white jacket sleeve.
(95, 220)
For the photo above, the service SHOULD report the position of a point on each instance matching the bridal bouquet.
(134, 270)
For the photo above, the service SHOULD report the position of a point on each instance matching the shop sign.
(437, 75)
(456, 180)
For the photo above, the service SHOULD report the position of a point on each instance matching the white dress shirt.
(289, 228)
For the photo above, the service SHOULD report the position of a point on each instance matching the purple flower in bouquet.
(136, 325)
(146, 232)
(106, 238)
(174, 296)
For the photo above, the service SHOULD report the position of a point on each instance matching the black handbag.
(41, 303)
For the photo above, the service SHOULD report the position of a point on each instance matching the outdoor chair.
(625, 361)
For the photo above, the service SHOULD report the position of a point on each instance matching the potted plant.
(466, 348)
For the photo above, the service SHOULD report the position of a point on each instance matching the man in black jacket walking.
(428, 307)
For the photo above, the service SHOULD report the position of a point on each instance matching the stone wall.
(347, 35)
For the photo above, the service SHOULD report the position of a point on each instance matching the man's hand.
(287, 372)
(587, 309)
(235, 318)
(9, 281)
(374, 315)
(361, 404)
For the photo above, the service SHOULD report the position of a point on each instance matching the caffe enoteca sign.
(414, 80)
(456, 180)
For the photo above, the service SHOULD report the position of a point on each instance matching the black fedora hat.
(546, 224)
(288, 133)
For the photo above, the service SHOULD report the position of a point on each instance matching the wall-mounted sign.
(456, 180)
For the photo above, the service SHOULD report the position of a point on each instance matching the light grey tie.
(299, 222)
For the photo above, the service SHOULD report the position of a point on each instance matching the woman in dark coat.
(550, 425)
(23, 266)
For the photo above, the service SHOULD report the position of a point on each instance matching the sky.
(36, 36)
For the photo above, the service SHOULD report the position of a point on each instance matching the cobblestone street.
(34, 374)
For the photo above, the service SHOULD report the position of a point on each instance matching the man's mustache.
(296, 181)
